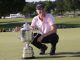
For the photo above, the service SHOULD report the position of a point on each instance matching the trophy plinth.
(27, 52)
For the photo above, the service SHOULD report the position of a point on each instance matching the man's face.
(40, 12)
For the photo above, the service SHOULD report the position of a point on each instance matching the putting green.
(68, 47)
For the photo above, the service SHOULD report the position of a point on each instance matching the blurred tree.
(60, 6)
(78, 4)
(49, 6)
(67, 5)
(11, 6)
(29, 9)
(72, 5)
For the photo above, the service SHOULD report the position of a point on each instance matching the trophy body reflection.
(26, 37)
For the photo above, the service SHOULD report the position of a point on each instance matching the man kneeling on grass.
(48, 31)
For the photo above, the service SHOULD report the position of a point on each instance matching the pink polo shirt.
(45, 25)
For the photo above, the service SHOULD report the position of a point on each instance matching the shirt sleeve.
(51, 20)
(33, 23)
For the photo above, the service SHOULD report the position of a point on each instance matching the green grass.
(64, 20)
(68, 20)
(14, 20)
(68, 47)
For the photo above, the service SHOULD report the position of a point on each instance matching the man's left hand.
(40, 39)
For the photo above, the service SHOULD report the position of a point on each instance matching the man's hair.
(40, 6)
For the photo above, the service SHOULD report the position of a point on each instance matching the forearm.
(50, 32)
(53, 30)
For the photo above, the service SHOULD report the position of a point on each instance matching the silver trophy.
(26, 37)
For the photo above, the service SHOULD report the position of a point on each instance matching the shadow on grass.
(45, 57)
(59, 55)
(72, 54)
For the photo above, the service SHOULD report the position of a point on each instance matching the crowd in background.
(16, 29)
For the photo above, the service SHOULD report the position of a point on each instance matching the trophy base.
(29, 57)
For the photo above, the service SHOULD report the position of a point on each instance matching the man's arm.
(53, 30)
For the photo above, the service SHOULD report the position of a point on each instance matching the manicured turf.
(67, 20)
(59, 20)
(68, 47)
